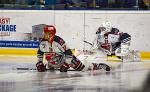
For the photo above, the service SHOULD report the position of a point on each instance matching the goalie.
(112, 41)
(55, 51)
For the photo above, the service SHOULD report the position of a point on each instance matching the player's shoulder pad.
(59, 40)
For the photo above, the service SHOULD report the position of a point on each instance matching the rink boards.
(22, 38)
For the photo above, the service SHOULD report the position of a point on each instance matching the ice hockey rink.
(125, 77)
(74, 27)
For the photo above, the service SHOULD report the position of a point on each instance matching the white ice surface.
(124, 78)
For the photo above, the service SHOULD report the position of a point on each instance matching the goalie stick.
(88, 42)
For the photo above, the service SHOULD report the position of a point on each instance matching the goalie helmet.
(107, 25)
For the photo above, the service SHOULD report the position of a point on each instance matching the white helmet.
(107, 25)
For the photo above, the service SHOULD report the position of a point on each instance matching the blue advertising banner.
(19, 44)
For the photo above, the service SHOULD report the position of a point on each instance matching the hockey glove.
(40, 67)
(64, 67)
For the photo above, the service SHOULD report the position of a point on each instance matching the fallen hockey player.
(53, 48)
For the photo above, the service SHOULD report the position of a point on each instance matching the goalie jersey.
(111, 41)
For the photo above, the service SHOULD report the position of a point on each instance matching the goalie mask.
(107, 25)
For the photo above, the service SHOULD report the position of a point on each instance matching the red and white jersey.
(58, 45)
(108, 41)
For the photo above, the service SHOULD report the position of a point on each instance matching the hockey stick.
(100, 65)
(46, 69)
(88, 42)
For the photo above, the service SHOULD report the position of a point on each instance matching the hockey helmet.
(50, 29)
